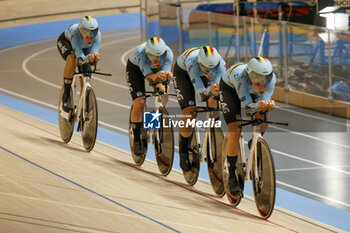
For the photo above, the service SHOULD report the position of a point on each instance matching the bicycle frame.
(207, 138)
(82, 99)
(157, 104)
(252, 154)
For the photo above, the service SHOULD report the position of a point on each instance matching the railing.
(308, 59)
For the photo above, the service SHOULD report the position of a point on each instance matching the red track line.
(155, 175)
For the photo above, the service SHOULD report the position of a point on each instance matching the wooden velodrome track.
(49, 186)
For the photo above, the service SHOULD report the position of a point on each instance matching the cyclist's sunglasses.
(155, 59)
(207, 70)
(259, 79)
(89, 34)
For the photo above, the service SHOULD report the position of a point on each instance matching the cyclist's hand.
(94, 57)
(169, 75)
(271, 105)
(214, 88)
(152, 78)
(163, 76)
(263, 105)
(266, 105)
(97, 56)
(91, 58)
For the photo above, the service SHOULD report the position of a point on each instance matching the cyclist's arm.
(241, 86)
(144, 67)
(219, 73)
(168, 60)
(96, 44)
(76, 47)
(269, 91)
(194, 73)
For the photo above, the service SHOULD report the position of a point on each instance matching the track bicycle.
(210, 151)
(162, 138)
(84, 111)
(259, 167)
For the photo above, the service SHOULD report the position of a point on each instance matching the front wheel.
(138, 159)
(66, 126)
(163, 140)
(233, 199)
(191, 176)
(264, 183)
(90, 123)
(214, 161)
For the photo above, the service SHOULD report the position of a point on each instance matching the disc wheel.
(233, 199)
(191, 176)
(66, 126)
(138, 159)
(215, 166)
(264, 184)
(163, 141)
(89, 125)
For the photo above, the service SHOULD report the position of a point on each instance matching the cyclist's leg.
(136, 84)
(165, 98)
(65, 49)
(186, 98)
(231, 107)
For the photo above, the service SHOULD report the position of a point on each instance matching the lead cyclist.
(251, 86)
(152, 60)
(79, 44)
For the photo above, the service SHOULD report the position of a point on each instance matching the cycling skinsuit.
(237, 91)
(189, 79)
(70, 42)
(139, 66)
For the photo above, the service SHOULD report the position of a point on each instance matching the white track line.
(307, 168)
(55, 108)
(314, 194)
(309, 161)
(311, 137)
(312, 116)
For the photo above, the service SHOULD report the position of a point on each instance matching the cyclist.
(78, 45)
(251, 86)
(152, 60)
(197, 70)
